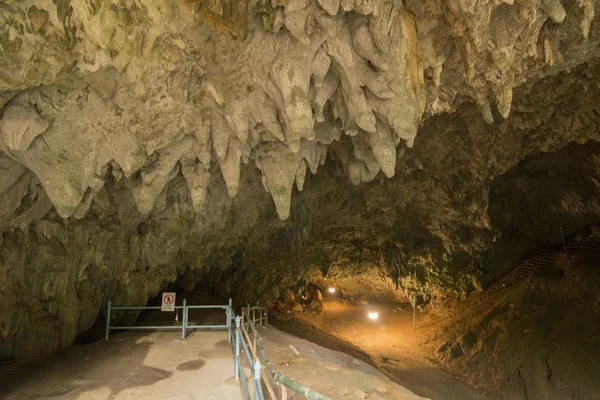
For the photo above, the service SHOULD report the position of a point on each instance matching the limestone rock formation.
(141, 87)
(146, 142)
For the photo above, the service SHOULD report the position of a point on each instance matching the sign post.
(413, 303)
(168, 301)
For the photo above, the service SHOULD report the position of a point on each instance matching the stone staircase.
(586, 255)
(531, 267)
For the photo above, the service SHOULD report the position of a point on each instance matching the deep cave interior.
(454, 156)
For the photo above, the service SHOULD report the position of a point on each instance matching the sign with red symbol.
(168, 301)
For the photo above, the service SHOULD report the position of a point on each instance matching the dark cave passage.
(544, 200)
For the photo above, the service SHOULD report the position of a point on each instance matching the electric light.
(331, 290)
(373, 315)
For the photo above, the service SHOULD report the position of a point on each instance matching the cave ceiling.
(146, 91)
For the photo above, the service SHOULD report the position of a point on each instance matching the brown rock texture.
(144, 143)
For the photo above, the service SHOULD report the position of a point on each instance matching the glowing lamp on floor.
(331, 290)
(373, 316)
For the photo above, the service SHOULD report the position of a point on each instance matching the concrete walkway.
(131, 365)
(159, 365)
(334, 374)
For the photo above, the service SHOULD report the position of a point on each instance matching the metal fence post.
(184, 318)
(237, 348)
(229, 317)
(415, 315)
(257, 388)
(107, 322)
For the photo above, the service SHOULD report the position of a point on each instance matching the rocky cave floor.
(531, 337)
(159, 365)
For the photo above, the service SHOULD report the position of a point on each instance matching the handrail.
(255, 355)
(582, 246)
(280, 378)
(241, 336)
(254, 366)
(263, 314)
(141, 308)
(185, 325)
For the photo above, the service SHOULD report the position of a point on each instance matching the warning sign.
(168, 301)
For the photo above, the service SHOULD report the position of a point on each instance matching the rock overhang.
(152, 90)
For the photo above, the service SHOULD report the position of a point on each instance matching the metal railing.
(255, 366)
(247, 339)
(247, 329)
(593, 247)
(228, 312)
(185, 325)
(260, 315)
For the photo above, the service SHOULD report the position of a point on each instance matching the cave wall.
(426, 230)
(532, 201)
(541, 199)
(57, 275)
(144, 144)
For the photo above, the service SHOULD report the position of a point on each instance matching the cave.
(398, 199)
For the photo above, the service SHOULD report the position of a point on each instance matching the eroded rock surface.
(143, 88)
(142, 142)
